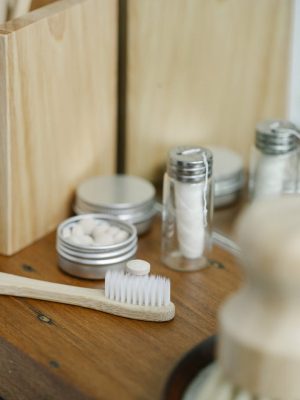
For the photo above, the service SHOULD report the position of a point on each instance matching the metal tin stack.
(129, 198)
(229, 176)
(93, 261)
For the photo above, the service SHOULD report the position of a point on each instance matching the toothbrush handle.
(19, 286)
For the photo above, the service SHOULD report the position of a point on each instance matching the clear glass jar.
(187, 208)
(274, 160)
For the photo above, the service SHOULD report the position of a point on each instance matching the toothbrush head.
(147, 290)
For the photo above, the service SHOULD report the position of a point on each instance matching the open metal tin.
(93, 261)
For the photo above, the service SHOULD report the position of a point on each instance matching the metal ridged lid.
(276, 137)
(190, 164)
(127, 197)
(118, 192)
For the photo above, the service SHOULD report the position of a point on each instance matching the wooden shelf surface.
(56, 351)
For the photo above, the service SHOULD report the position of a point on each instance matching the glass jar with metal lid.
(274, 160)
(187, 208)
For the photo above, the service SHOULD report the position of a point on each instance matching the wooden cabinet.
(57, 112)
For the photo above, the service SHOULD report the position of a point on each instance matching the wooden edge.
(37, 15)
(188, 367)
(5, 152)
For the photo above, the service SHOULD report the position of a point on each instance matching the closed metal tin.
(129, 198)
(229, 176)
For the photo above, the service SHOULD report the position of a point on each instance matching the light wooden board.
(202, 72)
(57, 112)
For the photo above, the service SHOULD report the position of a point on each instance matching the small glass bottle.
(187, 208)
(274, 160)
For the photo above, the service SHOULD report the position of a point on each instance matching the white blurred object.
(258, 355)
(138, 267)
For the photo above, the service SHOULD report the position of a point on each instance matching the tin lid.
(276, 137)
(190, 164)
(125, 196)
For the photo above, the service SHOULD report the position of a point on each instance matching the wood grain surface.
(202, 72)
(57, 112)
(48, 349)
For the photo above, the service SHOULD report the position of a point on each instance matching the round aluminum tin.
(130, 198)
(229, 176)
(86, 271)
(92, 261)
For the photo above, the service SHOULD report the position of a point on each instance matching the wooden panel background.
(200, 72)
(57, 119)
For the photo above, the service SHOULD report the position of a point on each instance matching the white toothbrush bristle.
(137, 290)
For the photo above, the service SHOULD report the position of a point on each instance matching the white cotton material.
(137, 290)
(104, 239)
(270, 175)
(87, 225)
(77, 230)
(75, 239)
(113, 230)
(121, 236)
(191, 218)
(85, 240)
(90, 231)
(100, 228)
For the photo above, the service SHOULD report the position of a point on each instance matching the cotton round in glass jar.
(187, 208)
(274, 160)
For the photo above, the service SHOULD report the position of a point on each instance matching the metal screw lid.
(190, 164)
(276, 137)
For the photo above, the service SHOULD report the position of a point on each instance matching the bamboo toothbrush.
(259, 337)
(138, 297)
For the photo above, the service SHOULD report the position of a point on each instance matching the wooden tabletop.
(56, 351)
